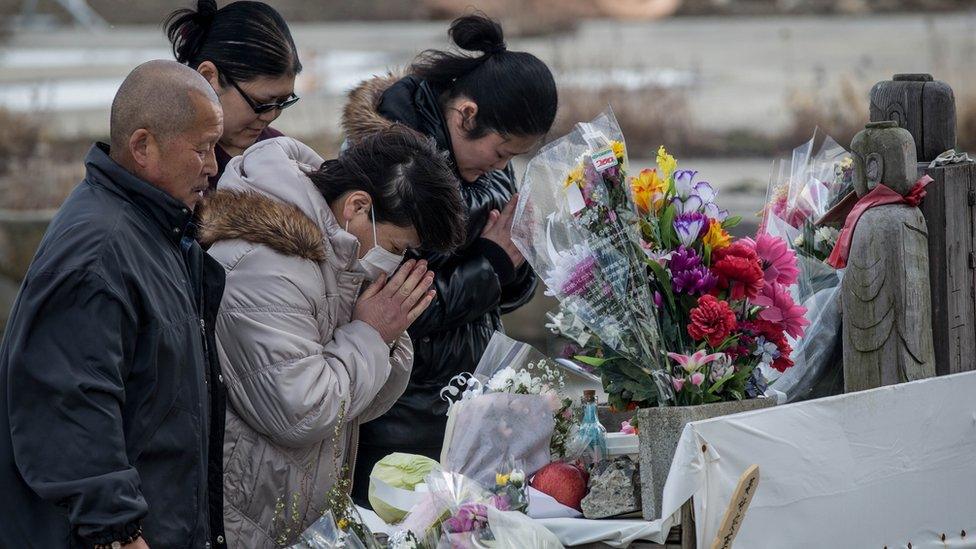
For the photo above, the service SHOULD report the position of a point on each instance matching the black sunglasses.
(263, 107)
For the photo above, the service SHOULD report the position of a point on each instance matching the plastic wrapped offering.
(393, 481)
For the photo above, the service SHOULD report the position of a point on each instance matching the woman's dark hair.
(410, 182)
(245, 40)
(514, 90)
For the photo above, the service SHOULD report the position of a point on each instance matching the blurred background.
(727, 85)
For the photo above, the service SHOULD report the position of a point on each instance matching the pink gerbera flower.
(780, 309)
(778, 260)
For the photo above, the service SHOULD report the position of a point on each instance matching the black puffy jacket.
(111, 401)
(475, 285)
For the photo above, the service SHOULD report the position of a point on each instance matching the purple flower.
(658, 300)
(700, 197)
(470, 517)
(695, 281)
(690, 226)
(705, 192)
(684, 259)
(688, 275)
(713, 211)
(690, 204)
(500, 502)
(684, 183)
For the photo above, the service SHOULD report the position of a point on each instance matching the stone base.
(660, 429)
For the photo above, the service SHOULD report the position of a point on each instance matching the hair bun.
(206, 11)
(478, 32)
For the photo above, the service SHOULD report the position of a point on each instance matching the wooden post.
(922, 105)
(689, 538)
(949, 213)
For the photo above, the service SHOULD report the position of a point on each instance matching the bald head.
(162, 97)
(166, 121)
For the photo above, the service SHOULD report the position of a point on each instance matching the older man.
(111, 404)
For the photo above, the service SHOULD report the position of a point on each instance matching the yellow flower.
(575, 176)
(500, 479)
(343, 524)
(648, 190)
(716, 237)
(666, 163)
(618, 148)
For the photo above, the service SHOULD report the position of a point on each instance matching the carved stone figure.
(886, 300)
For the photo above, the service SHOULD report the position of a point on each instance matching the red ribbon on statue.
(879, 196)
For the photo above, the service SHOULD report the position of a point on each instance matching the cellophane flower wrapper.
(456, 509)
(490, 427)
(576, 226)
(326, 534)
(801, 190)
(510, 408)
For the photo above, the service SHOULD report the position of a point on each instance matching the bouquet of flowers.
(802, 193)
(454, 514)
(693, 313)
(724, 304)
(577, 227)
(514, 368)
(515, 391)
(330, 533)
(512, 489)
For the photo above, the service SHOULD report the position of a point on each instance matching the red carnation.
(783, 362)
(738, 268)
(712, 320)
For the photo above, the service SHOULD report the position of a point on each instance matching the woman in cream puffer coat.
(301, 374)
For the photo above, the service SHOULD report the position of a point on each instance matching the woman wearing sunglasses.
(247, 53)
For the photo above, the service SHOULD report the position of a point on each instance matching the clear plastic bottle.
(592, 431)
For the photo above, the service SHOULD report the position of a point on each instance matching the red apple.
(564, 482)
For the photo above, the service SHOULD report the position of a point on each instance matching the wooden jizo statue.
(887, 310)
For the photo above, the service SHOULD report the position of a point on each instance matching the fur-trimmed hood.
(265, 197)
(255, 218)
(360, 116)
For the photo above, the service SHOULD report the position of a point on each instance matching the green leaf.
(664, 279)
(638, 391)
(737, 395)
(635, 372)
(732, 222)
(591, 360)
(743, 374)
(666, 226)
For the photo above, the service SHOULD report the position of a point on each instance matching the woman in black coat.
(482, 110)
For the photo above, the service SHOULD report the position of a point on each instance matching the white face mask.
(378, 260)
